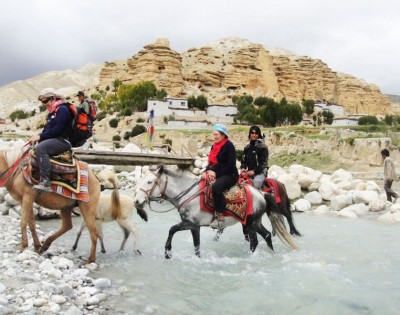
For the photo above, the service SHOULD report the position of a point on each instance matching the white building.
(345, 121)
(337, 110)
(178, 107)
(167, 106)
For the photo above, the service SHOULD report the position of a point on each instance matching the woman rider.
(221, 168)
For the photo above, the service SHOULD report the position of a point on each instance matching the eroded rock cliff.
(234, 66)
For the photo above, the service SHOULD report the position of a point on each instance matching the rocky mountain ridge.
(219, 70)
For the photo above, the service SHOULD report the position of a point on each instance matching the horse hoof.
(168, 255)
(138, 252)
(73, 248)
(103, 251)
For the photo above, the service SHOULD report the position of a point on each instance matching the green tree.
(328, 117)
(135, 96)
(161, 94)
(308, 106)
(116, 84)
(202, 102)
(192, 101)
(261, 101)
(368, 120)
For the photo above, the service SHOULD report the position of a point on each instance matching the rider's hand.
(211, 176)
(250, 173)
(34, 138)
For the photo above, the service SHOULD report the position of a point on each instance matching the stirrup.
(218, 221)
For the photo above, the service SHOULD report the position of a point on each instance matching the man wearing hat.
(83, 103)
(54, 138)
(221, 168)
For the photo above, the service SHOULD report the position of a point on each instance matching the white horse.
(181, 189)
(115, 207)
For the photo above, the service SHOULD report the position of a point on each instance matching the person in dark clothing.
(222, 170)
(54, 138)
(255, 157)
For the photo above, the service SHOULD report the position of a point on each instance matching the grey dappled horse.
(182, 190)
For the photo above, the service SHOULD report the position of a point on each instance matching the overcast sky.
(358, 37)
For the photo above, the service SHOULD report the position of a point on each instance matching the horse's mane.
(177, 173)
(11, 155)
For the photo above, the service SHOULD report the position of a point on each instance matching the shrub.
(101, 116)
(18, 114)
(140, 120)
(137, 130)
(127, 135)
(116, 138)
(114, 123)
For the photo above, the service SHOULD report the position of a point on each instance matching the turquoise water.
(343, 266)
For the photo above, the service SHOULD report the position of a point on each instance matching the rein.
(9, 173)
(171, 200)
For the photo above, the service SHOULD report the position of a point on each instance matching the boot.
(43, 186)
(218, 222)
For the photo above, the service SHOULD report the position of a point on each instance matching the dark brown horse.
(284, 206)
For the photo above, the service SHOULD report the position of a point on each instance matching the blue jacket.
(59, 124)
(226, 162)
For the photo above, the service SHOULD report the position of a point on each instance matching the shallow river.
(343, 266)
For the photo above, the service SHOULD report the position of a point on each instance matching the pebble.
(33, 284)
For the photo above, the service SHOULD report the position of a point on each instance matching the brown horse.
(22, 191)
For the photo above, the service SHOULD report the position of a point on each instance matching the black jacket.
(226, 162)
(255, 157)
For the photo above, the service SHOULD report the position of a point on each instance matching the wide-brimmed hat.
(80, 93)
(221, 128)
(46, 93)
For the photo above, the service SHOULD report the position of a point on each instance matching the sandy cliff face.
(236, 66)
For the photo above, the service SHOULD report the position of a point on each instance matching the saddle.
(239, 200)
(269, 186)
(65, 170)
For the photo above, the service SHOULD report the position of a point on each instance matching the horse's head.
(149, 188)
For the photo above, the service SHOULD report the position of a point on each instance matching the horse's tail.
(284, 206)
(115, 200)
(278, 225)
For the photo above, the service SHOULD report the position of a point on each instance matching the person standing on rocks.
(389, 175)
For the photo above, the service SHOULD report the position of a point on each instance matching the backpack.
(92, 109)
(82, 125)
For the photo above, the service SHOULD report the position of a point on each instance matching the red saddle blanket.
(239, 201)
(272, 187)
(68, 179)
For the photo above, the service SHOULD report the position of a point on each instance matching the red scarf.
(212, 157)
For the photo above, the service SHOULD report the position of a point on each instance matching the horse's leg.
(32, 226)
(78, 235)
(253, 237)
(289, 217)
(99, 226)
(184, 225)
(265, 234)
(27, 218)
(127, 226)
(196, 239)
(88, 211)
(66, 225)
(218, 234)
(245, 233)
(126, 235)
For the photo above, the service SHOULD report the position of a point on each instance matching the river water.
(343, 266)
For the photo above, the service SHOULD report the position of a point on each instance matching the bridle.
(149, 191)
(157, 182)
